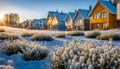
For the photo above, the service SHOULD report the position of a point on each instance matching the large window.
(103, 15)
(104, 26)
(96, 16)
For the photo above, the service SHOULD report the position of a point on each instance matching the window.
(104, 26)
(96, 26)
(96, 16)
(81, 22)
(103, 15)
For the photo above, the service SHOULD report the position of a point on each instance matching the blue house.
(43, 23)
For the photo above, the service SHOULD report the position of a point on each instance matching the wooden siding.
(110, 19)
(118, 11)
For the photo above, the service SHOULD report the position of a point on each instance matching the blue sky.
(29, 9)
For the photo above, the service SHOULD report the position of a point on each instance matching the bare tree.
(11, 19)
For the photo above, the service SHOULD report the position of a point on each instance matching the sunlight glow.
(1, 16)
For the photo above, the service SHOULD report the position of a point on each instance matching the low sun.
(1, 16)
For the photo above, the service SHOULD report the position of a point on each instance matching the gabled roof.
(60, 16)
(109, 6)
(84, 13)
(43, 20)
(72, 14)
(51, 13)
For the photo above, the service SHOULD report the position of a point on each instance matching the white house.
(81, 20)
(69, 21)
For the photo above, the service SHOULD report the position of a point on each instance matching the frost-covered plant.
(4, 36)
(60, 35)
(88, 55)
(41, 37)
(2, 30)
(34, 52)
(75, 33)
(107, 36)
(92, 34)
(13, 46)
(6, 67)
(27, 50)
(24, 34)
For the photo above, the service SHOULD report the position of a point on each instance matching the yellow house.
(49, 19)
(103, 16)
(58, 21)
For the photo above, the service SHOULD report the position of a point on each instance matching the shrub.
(24, 34)
(41, 37)
(34, 52)
(27, 50)
(60, 35)
(92, 34)
(2, 30)
(107, 36)
(75, 33)
(4, 36)
(88, 55)
(13, 47)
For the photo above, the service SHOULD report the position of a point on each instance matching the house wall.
(118, 10)
(118, 14)
(48, 22)
(54, 23)
(86, 24)
(69, 23)
(110, 19)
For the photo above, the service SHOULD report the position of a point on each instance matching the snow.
(18, 63)
(72, 14)
(51, 13)
(60, 16)
(109, 6)
(84, 13)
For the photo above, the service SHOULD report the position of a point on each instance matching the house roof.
(109, 6)
(61, 16)
(72, 14)
(84, 13)
(52, 13)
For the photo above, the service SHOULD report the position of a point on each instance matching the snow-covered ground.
(17, 63)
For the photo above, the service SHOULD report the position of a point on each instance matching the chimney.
(57, 10)
(61, 12)
(75, 11)
(90, 7)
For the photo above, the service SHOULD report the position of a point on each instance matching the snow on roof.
(61, 16)
(84, 13)
(52, 13)
(43, 20)
(109, 6)
(72, 14)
